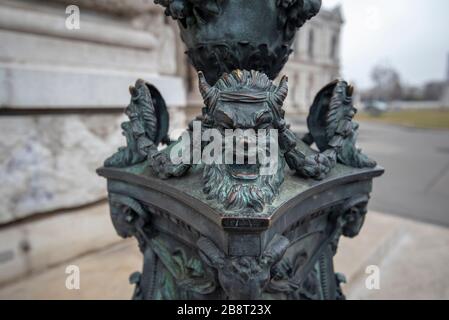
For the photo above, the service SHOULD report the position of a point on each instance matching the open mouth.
(244, 171)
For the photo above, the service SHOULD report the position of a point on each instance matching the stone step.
(32, 246)
(103, 275)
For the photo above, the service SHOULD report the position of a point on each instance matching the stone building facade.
(62, 95)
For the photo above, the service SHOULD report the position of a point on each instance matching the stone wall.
(62, 93)
(48, 162)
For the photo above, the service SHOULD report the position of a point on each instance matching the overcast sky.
(410, 35)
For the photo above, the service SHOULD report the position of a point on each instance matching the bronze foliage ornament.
(248, 99)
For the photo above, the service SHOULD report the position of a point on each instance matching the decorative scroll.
(332, 127)
(146, 128)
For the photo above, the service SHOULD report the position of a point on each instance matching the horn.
(204, 86)
(350, 90)
(282, 90)
(133, 91)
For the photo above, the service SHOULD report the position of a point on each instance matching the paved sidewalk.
(413, 259)
(103, 275)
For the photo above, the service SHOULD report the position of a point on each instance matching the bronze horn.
(282, 91)
(203, 85)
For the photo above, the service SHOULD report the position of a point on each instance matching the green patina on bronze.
(208, 231)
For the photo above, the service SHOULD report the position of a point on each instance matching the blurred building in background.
(62, 95)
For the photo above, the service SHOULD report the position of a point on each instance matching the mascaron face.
(237, 115)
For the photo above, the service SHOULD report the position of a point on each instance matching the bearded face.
(242, 185)
(240, 194)
(243, 102)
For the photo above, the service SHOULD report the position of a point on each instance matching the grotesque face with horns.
(248, 105)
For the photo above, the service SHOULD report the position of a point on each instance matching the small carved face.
(255, 117)
(354, 219)
(243, 278)
(240, 105)
(241, 186)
